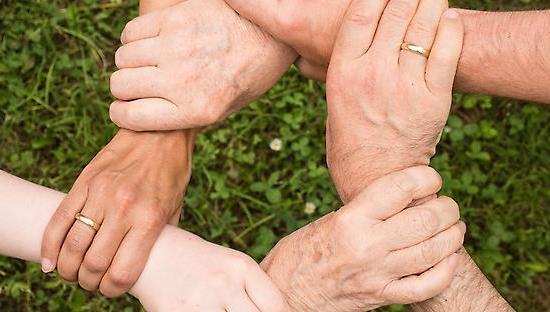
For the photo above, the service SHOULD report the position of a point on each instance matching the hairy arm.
(469, 291)
(505, 54)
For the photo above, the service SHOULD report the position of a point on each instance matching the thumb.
(358, 29)
(150, 114)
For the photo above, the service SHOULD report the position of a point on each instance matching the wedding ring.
(89, 222)
(415, 49)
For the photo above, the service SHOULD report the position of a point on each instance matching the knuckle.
(96, 263)
(427, 254)
(76, 242)
(426, 221)
(403, 182)
(421, 27)
(360, 19)
(121, 279)
(125, 196)
(400, 10)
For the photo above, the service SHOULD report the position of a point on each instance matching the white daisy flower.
(310, 208)
(276, 145)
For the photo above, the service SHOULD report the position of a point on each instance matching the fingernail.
(47, 266)
(451, 13)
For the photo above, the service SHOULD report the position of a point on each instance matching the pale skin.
(183, 271)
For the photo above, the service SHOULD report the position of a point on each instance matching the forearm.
(26, 209)
(506, 54)
(469, 292)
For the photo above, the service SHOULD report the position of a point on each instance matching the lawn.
(55, 60)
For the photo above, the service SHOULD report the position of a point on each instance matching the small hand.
(192, 65)
(186, 273)
(387, 107)
(374, 251)
(133, 187)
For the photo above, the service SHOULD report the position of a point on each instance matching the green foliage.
(55, 60)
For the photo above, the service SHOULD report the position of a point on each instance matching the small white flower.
(447, 129)
(276, 145)
(310, 208)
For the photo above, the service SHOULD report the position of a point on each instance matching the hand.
(368, 253)
(386, 107)
(192, 65)
(186, 273)
(309, 27)
(133, 187)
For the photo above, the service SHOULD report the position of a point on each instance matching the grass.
(55, 60)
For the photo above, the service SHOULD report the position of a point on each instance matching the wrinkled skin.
(368, 253)
(386, 107)
(191, 65)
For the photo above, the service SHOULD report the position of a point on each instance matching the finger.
(415, 225)
(59, 225)
(394, 192)
(78, 241)
(101, 253)
(138, 53)
(129, 260)
(445, 55)
(151, 114)
(240, 303)
(263, 292)
(421, 32)
(423, 256)
(427, 285)
(357, 29)
(136, 83)
(142, 27)
(393, 26)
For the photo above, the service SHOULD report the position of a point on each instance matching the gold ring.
(415, 49)
(89, 222)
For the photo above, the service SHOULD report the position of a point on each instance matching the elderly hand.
(187, 273)
(387, 107)
(310, 27)
(133, 188)
(192, 65)
(374, 251)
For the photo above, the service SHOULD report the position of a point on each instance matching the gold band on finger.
(415, 49)
(89, 222)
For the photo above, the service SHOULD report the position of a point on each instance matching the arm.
(470, 291)
(133, 187)
(411, 95)
(505, 54)
(181, 274)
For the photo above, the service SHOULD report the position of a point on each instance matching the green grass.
(55, 60)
